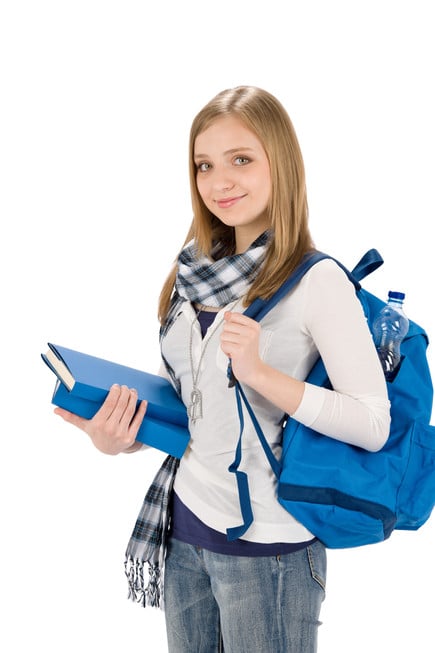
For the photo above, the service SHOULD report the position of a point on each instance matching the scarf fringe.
(139, 591)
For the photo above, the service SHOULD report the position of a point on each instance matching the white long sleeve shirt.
(322, 315)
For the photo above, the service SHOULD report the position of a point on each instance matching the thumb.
(71, 418)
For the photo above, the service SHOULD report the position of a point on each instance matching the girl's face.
(233, 178)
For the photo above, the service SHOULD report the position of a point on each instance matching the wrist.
(258, 378)
(133, 447)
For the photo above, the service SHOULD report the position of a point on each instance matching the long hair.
(265, 116)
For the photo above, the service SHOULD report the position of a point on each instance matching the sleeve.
(357, 409)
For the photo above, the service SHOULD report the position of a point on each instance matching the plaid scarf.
(147, 542)
(206, 281)
(214, 282)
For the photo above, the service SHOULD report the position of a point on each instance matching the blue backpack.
(373, 493)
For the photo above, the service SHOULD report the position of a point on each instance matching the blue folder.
(165, 425)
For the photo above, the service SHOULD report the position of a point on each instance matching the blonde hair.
(265, 116)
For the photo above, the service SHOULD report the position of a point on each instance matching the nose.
(222, 180)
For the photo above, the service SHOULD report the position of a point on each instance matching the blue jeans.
(222, 603)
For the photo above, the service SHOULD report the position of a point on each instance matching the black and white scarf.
(211, 282)
(214, 282)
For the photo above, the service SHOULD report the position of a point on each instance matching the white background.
(97, 100)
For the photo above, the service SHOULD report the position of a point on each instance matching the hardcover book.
(83, 382)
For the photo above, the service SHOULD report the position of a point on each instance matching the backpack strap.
(257, 310)
(260, 307)
(368, 263)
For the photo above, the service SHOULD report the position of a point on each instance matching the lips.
(229, 201)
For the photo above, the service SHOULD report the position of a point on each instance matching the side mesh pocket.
(416, 496)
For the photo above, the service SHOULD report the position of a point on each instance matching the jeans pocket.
(316, 553)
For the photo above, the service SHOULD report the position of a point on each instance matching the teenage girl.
(225, 589)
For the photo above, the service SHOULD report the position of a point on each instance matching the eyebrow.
(231, 151)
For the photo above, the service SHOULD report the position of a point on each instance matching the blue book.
(83, 382)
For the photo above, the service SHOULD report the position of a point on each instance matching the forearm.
(282, 390)
(362, 421)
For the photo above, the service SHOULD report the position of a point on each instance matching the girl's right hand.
(114, 428)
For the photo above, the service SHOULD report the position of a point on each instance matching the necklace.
(194, 409)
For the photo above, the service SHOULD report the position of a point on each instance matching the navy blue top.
(186, 526)
(205, 319)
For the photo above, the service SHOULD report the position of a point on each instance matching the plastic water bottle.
(389, 328)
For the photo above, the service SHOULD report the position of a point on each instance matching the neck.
(245, 237)
(206, 309)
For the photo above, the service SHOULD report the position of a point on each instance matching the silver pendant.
(195, 408)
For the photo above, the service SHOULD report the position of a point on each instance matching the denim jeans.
(222, 603)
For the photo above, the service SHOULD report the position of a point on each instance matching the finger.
(242, 327)
(238, 333)
(230, 346)
(115, 404)
(71, 418)
(125, 406)
(231, 339)
(110, 402)
(238, 318)
(134, 423)
(231, 327)
(138, 418)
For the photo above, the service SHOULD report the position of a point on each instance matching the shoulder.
(327, 276)
(327, 268)
(326, 288)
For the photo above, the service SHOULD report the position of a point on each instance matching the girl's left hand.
(240, 341)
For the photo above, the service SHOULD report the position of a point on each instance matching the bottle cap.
(396, 295)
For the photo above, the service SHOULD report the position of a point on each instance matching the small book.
(83, 382)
